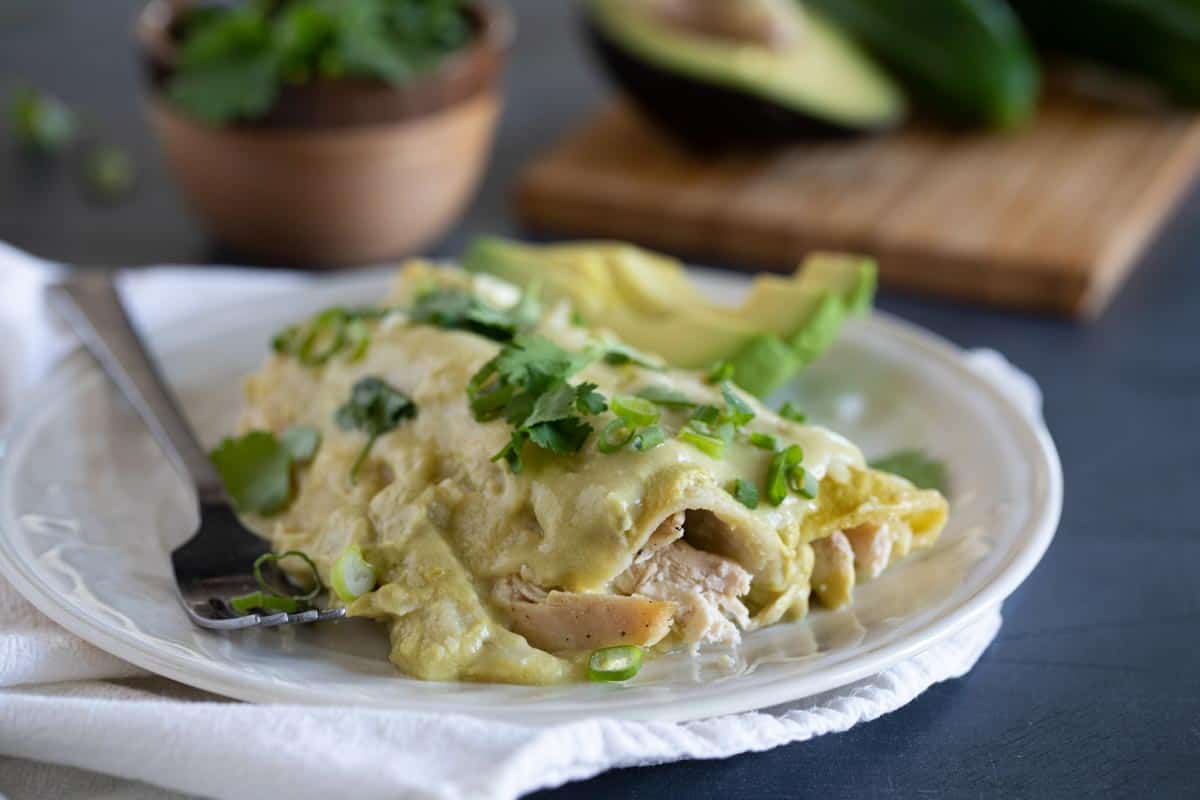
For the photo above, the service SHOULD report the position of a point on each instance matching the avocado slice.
(784, 305)
(714, 90)
(648, 300)
(594, 275)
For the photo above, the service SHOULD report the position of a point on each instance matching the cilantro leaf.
(511, 452)
(228, 68)
(588, 400)
(257, 472)
(564, 436)
(211, 35)
(363, 44)
(239, 89)
(916, 466)
(234, 59)
(301, 442)
(556, 403)
(526, 384)
(533, 362)
(458, 309)
(302, 33)
(374, 408)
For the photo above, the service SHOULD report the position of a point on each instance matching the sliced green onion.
(272, 558)
(489, 403)
(802, 482)
(267, 601)
(649, 438)
(720, 371)
(666, 396)
(618, 663)
(709, 415)
(789, 411)
(358, 339)
(777, 488)
(777, 473)
(616, 435)
(287, 340)
(724, 431)
(709, 445)
(739, 410)
(618, 354)
(326, 335)
(352, 575)
(764, 441)
(635, 410)
(744, 492)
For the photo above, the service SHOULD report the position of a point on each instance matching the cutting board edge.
(1079, 280)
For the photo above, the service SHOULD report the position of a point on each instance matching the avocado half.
(648, 300)
(713, 92)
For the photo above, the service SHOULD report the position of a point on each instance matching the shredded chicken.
(833, 570)
(705, 587)
(514, 589)
(669, 530)
(560, 621)
(872, 545)
(670, 585)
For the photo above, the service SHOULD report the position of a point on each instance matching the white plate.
(89, 510)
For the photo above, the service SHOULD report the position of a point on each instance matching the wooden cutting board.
(1050, 219)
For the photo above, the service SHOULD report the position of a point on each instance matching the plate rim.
(1035, 539)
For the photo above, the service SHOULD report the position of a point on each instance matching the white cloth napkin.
(71, 705)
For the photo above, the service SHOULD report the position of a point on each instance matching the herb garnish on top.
(257, 468)
(462, 310)
(526, 384)
(375, 408)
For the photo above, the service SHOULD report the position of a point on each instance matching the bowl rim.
(352, 101)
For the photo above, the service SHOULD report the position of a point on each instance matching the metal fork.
(215, 564)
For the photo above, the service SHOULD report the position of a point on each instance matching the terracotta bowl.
(341, 171)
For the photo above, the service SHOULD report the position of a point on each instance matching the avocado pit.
(767, 23)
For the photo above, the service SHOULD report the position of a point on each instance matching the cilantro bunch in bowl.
(326, 132)
(233, 60)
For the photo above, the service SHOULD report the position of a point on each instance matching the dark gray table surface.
(1093, 686)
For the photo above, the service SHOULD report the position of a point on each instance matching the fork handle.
(92, 308)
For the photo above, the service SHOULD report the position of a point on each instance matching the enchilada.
(542, 492)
